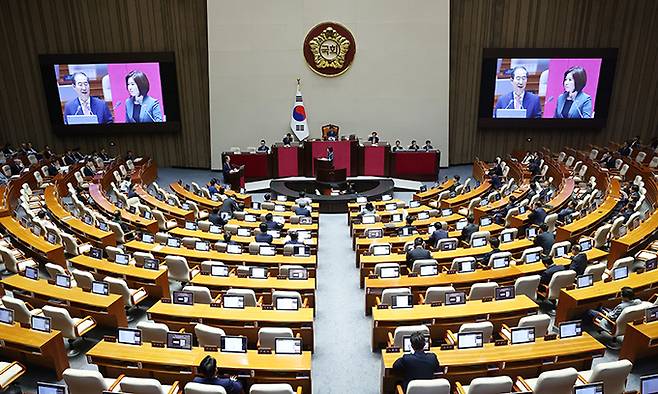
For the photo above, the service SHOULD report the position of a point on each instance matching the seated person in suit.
(288, 139)
(292, 239)
(495, 248)
(417, 364)
(551, 269)
(208, 375)
(567, 211)
(428, 146)
(438, 234)
(85, 104)
(301, 209)
(271, 224)
(500, 214)
(368, 209)
(538, 214)
(409, 227)
(417, 253)
(456, 182)
(578, 260)
(229, 206)
(215, 218)
(496, 181)
(263, 147)
(303, 198)
(601, 316)
(263, 236)
(373, 139)
(519, 98)
(545, 239)
(470, 228)
(414, 146)
(397, 146)
(87, 171)
(228, 240)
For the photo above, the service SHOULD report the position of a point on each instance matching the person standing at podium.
(330, 153)
(227, 168)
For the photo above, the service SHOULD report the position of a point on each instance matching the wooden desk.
(134, 220)
(34, 347)
(379, 205)
(389, 228)
(527, 360)
(633, 239)
(555, 204)
(203, 202)
(314, 228)
(43, 249)
(279, 242)
(640, 341)
(433, 192)
(169, 210)
(245, 321)
(573, 303)
(107, 310)
(464, 199)
(450, 317)
(480, 211)
(169, 365)
(95, 235)
(154, 282)
(315, 215)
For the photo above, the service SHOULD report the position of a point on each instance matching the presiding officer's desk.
(108, 311)
(233, 321)
(526, 360)
(212, 237)
(574, 302)
(262, 287)
(449, 317)
(77, 226)
(170, 211)
(169, 365)
(155, 282)
(133, 220)
(640, 341)
(462, 281)
(33, 347)
(38, 245)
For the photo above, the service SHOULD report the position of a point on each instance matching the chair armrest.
(138, 295)
(603, 316)
(391, 340)
(459, 389)
(398, 389)
(299, 390)
(194, 272)
(115, 384)
(305, 302)
(378, 300)
(653, 298)
(522, 384)
(582, 379)
(217, 298)
(7, 380)
(542, 289)
(174, 388)
(451, 338)
(422, 298)
(182, 331)
(85, 325)
(259, 301)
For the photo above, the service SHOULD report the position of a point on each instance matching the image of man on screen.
(574, 103)
(518, 101)
(140, 107)
(85, 109)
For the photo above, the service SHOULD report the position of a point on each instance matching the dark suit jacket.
(272, 225)
(417, 254)
(97, 106)
(579, 263)
(487, 256)
(226, 170)
(545, 240)
(548, 273)
(530, 103)
(436, 236)
(468, 230)
(419, 365)
(537, 216)
(299, 211)
(264, 238)
(216, 219)
(229, 205)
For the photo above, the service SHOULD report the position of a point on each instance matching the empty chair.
(388, 294)
(418, 264)
(634, 221)
(654, 162)
(72, 247)
(163, 224)
(153, 332)
(178, 270)
(396, 339)
(83, 279)
(161, 237)
(612, 374)
(479, 234)
(140, 257)
(601, 236)
(200, 388)
(271, 388)
(475, 202)
(254, 247)
(527, 285)
(433, 386)
(119, 234)
(559, 281)
(131, 297)
(596, 270)
(267, 335)
(83, 381)
(9, 372)
(190, 242)
(71, 328)
(208, 335)
(437, 294)
(513, 233)
(493, 385)
(485, 327)
(248, 294)
(482, 290)
(54, 270)
(146, 386)
(379, 266)
(200, 294)
(23, 312)
(550, 382)
(12, 264)
(112, 251)
(457, 262)
(204, 225)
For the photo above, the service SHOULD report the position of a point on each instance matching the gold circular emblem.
(329, 49)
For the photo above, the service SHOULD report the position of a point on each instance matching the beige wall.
(398, 82)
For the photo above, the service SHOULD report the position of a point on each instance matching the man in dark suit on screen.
(519, 98)
(84, 104)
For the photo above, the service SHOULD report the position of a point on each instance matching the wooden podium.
(236, 178)
(325, 171)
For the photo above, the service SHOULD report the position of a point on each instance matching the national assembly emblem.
(329, 49)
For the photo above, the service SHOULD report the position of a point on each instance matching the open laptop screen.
(288, 345)
(470, 340)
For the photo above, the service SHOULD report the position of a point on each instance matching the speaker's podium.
(325, 171)
(235, 178)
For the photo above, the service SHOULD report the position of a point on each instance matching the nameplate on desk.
(486, 268)
(282, 276)
(451, 272)
(487, 299)
(436, 303)
(500, 342)
(373, 276)
(412, 274)
(109, 338)
(392, 350)
(608, 279)
(25, 325)
(205, 273)
(157, 344)
(243, 274)
(550, 337)
(382, 306)
(210, 349)
(215, 304)
(640, 270)
(264, 350)
(638, 322)
(166, 300)
(447, 346)
(570, 287)
(268, 307)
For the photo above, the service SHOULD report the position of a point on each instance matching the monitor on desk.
(274, 233)
(266, 250)
(505, 293)
(40, 323)
(470, 340)
(584, 281)
(258, 273)
(532, 257)
(148, 215)
(233, 344)
(466, 266)
(88, 220)
(213, 229)
(389, 272)
(179, 340)
(297, 273)
(651, 314)
(570, 329)
(96, 253)
(219, 270)
(301, 251)
(6, 316)
(522, 209)
(305, 220)
(620, 273)
(287, 345)
(592, 388)
(561, 251)
(406, 231)
(202, 246)
(387, 197)
(368, 219)
(506, 237)
(255, 205)
(100, 288)
(233, 301)
(233, 249)
(460, 224)
(130, 336)
(531, 232)
(151, 264)
(381, 250)
(51, 238)
(455, 298)
(423, 215)
(31, 273)
(414, 204)
(429, 270)
(279, 208)
(448, 244)
(122, 258)
(649, 384)
(244, 232)
(406, 343)
(103, 226)
(361, 200)
(287, 304)
(190, 226)
(63, 280)
(402, 301)
(391, 207)
(173, 242)
(484, 202)
(185, 206)
(446, 212)
(374, 233)
(303, 234)
(281, 198)
(396, 218)
(485, 221)
(148, 238)
(522, 335)
(585, 244)
(478, 242)
(182, 298)
(249, 218)
(279, 219)
(500, 262)
(51, 388)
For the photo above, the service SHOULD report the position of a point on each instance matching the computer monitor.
(429, 270)
(100, 288)
(561, 251)
(274, 233)
(396, 218)
(301, 251)
(182, 298)
(305, 234)
(179, 340)
(31, 273)
(532, 257)
(40, 323)
(151, 264)
(361, 200)
(214, 197)
(381, 250)
(368, 219)
(266, 250)
(129, 336)
(233, 344)
(6, 316)
(570, 329)
(585, 244)
(148, 238)
(96, 253)
(50, 388)
(287, 304)
(51, 238)
(622, 230)
(485, 221)
(173, 242)
(279, 208)
(202, 246)
(255, 205)
(470, 340)
(287, 345)
(649, 384)
(522, 209)
(190, 226)
(233, 249)
(504, 293)
(122, 258)
(414, 204)
(446, 212)
(478, 242)
(63, 280)
(88, 220)
(531, 232)
(258, 272)
(297, 273)
(461, 224)
(213, 229)
(103, 226)
(484, 202)
(406, 343)
(219, 270)
(132, 210)
(651, 314)
(466, 266)
(449, 245)
(620, 273)
(592, 388)
(281, 198)
(391, 207)
(402, 301)
(506, 237)
(387, 197)
(500, 262)
(568, 219)
(522, 335)
(244, 232)
(405, 231)
(584, 281)
(170, 201)
(148, 215)
(455, 298)
(423, 215)
(185, 206)
(233, 301)
(249, 218)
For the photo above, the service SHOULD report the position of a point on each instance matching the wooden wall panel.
(630, 26)
(30, 28)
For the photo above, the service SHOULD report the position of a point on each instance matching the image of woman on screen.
(574, 103)
(140, 107)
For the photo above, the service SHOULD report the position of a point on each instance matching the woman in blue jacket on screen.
(574, 103)
(140, 107)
